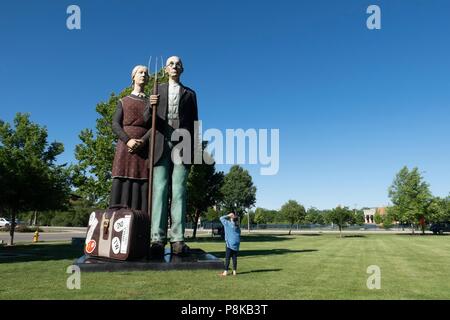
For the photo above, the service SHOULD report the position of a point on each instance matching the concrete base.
(196, 259)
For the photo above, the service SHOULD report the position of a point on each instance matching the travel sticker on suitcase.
(91, 244)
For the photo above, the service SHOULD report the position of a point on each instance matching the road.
(22, 237)
(66, 234)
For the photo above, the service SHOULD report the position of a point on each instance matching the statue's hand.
(154, 99)
(134, 144)
(139, 145)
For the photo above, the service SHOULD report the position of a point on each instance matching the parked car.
(4, 223)
(440, 228)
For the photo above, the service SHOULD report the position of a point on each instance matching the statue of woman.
(130, 166)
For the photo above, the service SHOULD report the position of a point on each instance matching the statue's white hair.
(135, 70)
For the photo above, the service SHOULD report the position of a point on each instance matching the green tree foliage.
(265, 216)
(244, 220)
(238, 191)
(439, 210)
(76, 215)
(411, 196)
(393, 213)
(378, 218)
(358, 217)
(340, 216)
(260, 218)
(203, 189)
(311, 215)
(95, 154)
(29, 177)
(315, 216)
(387, 221)
(293, 212)
(213, 215)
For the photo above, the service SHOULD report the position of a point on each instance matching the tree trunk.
(36, 214)
(340, 232)
(196, 217)
(12, 227)
(290, 229)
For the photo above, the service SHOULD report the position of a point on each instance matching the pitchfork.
(152, 136)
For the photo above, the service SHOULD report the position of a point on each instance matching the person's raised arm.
(226, 217)
(223, 219)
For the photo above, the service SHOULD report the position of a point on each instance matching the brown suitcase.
(118, 233)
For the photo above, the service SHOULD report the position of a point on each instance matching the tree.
(245, 220)
(439, 210)
(271, 215)
(293, 212)
(315, 216)
(95, 153)
(340, 216)
(213, 215)
(260, 216)
(238, 191)
(311, 215)
(203, 189)
(76, 215)
(264, 216)
(411, 196)
(378, 218)
(29, 177)
(358, 217)
(393, 214)
(387, 221)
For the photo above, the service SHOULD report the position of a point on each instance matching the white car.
(4, 222)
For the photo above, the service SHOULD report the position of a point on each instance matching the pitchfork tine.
(148, 66)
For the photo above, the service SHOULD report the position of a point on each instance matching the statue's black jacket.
(187, 113)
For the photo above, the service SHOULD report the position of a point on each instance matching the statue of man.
(176, 109)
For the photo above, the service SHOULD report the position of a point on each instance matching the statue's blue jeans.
(161, 173)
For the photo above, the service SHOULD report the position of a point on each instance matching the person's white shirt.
(174, 100)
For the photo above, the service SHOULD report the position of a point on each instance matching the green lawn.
(270, 267)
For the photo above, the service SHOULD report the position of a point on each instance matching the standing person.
(130, 169)
(176, 109)
(232, 239)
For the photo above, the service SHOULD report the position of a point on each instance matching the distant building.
(369, 214)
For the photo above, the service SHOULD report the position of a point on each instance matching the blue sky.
(352, 105)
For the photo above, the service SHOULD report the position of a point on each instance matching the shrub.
(24, 228)
(387, 221)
